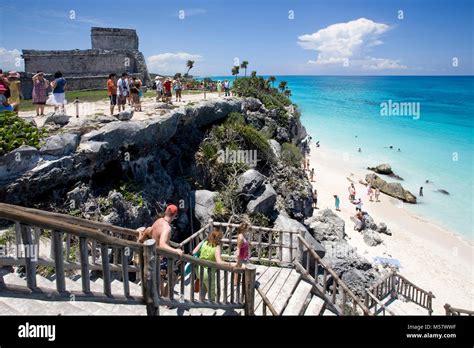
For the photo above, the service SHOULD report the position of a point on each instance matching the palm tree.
(253, 74)
(282, 85)
(177, 76)
(189, 65)
(287, 93)
(272, 79)
(235, 71)
(244, 66)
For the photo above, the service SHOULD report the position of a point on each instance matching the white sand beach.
(431, 256)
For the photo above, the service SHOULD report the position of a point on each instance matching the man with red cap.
(160, 231)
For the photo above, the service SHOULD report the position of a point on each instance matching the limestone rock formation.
(264, 201)
(60, 145)
(249, 182)
(204, 206)
(57, 119)
(395, 190)
(125, 115)
(385, 169)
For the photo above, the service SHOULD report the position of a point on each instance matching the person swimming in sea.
(360, 150)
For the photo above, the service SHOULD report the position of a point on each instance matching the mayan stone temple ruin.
(113, 50)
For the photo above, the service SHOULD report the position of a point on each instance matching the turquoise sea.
(344, 114)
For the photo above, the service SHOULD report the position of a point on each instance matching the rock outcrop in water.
(385, 169)
(393, 189)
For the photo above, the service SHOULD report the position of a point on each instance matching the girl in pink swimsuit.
(243, 247)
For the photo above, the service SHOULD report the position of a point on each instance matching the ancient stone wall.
(114, 38)
(80, 62)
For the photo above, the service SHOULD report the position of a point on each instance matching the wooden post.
(447, 308)
(430, 307)
(84, 265)
(104, 253)
(126, 286)
(57, 244)
(250, 272)
(30, 263)
(149, 284)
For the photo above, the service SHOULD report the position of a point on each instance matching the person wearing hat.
(15, 90)
(39, 94)
(4, 106)
(160, 231)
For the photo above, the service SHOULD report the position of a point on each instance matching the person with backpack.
(210, 250)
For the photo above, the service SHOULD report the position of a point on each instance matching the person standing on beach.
(337, 202)
(421, 191)
(219, 88)
(315, 199)
(112, 91)
(370, 193)
(352, 192)
(312, 175)
(377, 194)
(39, 93)
(359, 205)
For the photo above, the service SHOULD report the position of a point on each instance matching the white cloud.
(349, 42)
(171, 63)
(372, 63)
(11, 60)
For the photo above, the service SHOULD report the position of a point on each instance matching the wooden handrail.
(451, 311)
(334, 275)
(380, 304)
(76, 220)
(266, 302)
(255, 228)
(11, 213)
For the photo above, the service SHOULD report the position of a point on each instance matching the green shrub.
(15, 132)
(291, 155)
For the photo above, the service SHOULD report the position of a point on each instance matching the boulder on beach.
(264, 202)
(393, 189)
(57, 119)
(385, 169)
(125, 115)
(249, 182)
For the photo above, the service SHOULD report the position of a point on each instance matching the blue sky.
(342, 37)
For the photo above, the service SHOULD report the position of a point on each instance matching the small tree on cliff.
(235, 71)
(282, 86)
(244, 66)
(253, 74)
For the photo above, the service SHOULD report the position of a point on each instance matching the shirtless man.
(160, 231)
